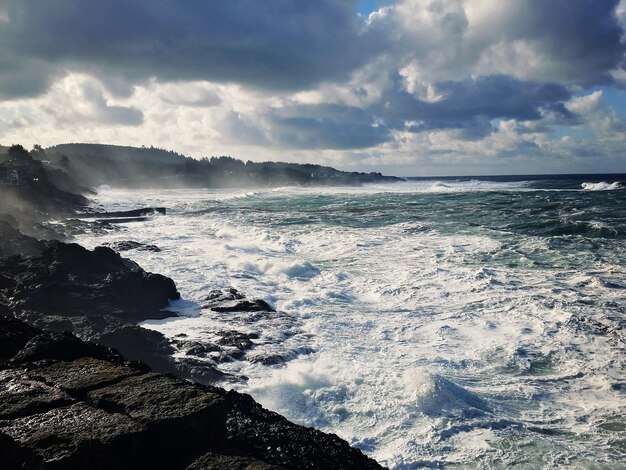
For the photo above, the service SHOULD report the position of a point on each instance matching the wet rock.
(213, 461)
(194, 348)
(231, 300)
(21, 396)
(144, 211)
(70, 280)
(60, 347)
(221, 295)
(14, 334)
(156, 350)
(84, 374)
(95, 294)
(244, 306)
(267, 360)
(138, 343)
(127, 245)
(154, 398)
(237, 339)
(274, 359)
(76, 436)
(266, 435)
(100, 414)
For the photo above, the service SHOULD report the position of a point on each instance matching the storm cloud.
(278, 44)
(415, 79)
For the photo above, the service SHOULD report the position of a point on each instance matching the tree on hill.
(18, 152)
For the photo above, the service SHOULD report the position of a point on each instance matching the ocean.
(450, 322)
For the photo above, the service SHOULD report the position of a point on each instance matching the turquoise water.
(434, 323)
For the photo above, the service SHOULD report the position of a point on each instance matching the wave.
(475, 185)
(437, 396)
(602, 186)
(564, 227)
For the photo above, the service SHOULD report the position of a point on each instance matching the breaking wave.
(602, 186)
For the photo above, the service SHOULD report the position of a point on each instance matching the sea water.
(473, 323)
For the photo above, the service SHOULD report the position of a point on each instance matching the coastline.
(50, 288)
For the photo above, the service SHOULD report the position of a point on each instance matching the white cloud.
(420, 86)
(599, 116)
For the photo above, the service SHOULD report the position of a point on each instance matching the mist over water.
(477, 323)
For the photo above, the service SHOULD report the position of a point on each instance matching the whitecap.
(602, 186)
(303, 270)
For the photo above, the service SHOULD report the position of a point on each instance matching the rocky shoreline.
(83, 386)
(70, 404)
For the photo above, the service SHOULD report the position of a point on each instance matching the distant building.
(16, 173)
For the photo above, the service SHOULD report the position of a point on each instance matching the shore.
(84, 386)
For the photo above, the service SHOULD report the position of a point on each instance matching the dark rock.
(83, 374)
(14, 334)
(14, 456)
(95, 294)
(12, 242)
(146, 211)
(138, 343)
(265, 435)
(69, 279)
(131, 245)
(156, 350)
(88, 328)
(21, 396)
(274, 359)
(86, 292)
(231, 300)
(267, 360)
(221, 295)
(100, 414)
(194, 348)
(244, 306)
(213, 461)
(76, 436)
(61, 347)
(236, 339)
(154, 398)
(202, 372)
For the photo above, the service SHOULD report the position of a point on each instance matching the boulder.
(60, 347)
(127, 245)
(231, 300)
(70, 280)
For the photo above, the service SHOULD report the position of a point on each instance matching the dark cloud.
(583, 37)
(467, 106)
(277, 44)
(470, 105)
(24, 76)
(326, 127)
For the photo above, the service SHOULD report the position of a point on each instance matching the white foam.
(424, 342)
(602, 186)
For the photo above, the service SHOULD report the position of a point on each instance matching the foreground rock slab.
(90, 408)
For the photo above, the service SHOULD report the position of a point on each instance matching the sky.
(406, 87)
